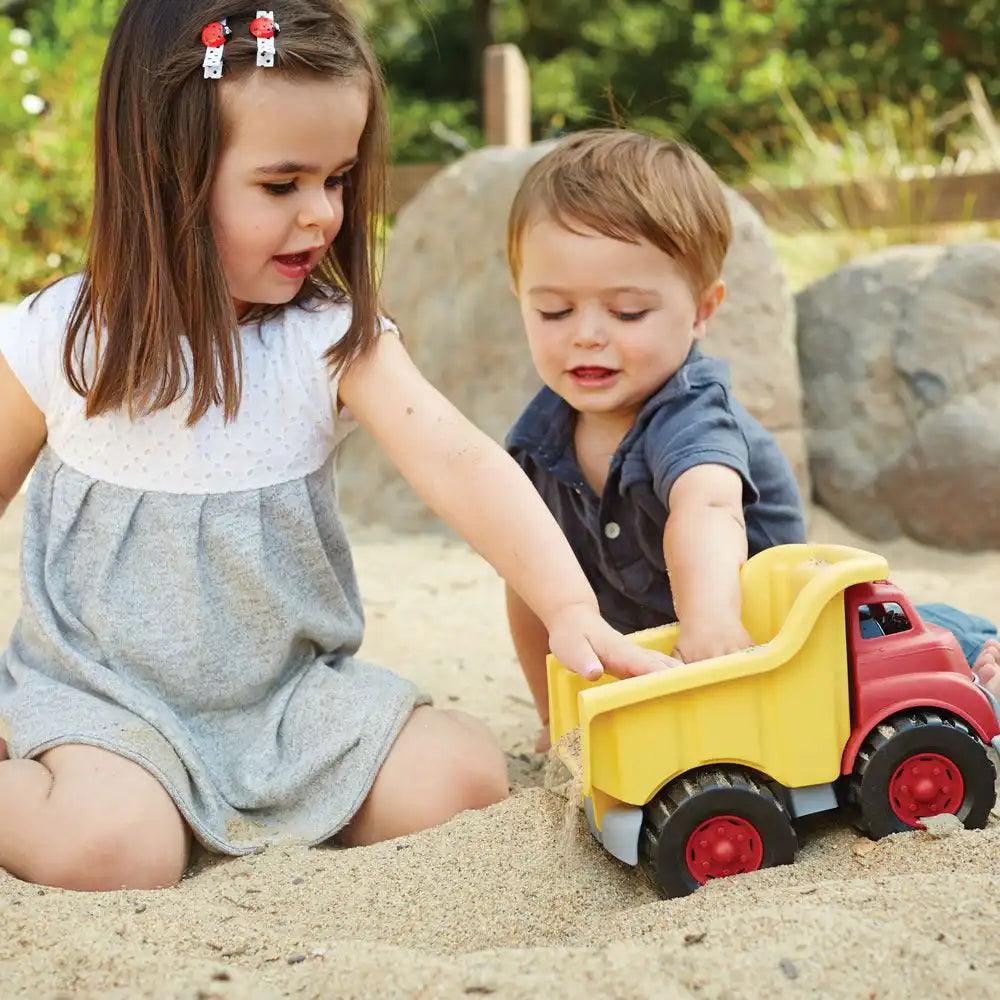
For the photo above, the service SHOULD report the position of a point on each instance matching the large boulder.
(900, 356)
(447, 286)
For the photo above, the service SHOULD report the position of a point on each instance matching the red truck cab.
(902, 668)
(896, 662)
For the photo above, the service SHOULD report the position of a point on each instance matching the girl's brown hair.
(153, 274)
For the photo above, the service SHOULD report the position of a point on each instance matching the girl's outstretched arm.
(22, 434)
(474, 485)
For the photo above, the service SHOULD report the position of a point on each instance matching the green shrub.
(793, 89)
(49, 72)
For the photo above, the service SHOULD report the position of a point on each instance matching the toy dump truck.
(847, 699)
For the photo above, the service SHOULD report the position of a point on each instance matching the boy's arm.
(24, 433)
(705, 545)
(477, 488)
(531, 642)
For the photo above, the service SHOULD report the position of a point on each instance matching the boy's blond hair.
(629, 186)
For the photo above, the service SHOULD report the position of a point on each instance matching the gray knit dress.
(188, 595)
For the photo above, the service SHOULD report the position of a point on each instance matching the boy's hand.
(588, 645)
(702, 641)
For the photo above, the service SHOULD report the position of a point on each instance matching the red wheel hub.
(926, 784)
(723, 845)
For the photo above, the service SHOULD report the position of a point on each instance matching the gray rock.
(900, 358)
(447, 286)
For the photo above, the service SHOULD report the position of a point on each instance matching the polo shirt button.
(612, 530)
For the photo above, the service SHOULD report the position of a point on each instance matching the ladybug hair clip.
(264, 28)
(213, 37)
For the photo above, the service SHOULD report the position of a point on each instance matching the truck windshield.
(878, 620)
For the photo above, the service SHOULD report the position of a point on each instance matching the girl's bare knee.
(443, 763)
(482, 785)
(94, 821)
(106, 856)
(478, 770)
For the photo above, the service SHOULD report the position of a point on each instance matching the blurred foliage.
(49, 66)
(710, 71)
(790, 90)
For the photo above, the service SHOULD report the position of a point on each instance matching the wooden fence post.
(506, 97)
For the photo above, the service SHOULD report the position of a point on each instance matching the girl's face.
(277, 198)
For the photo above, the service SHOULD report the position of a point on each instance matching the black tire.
(681, 807)
(903, 737)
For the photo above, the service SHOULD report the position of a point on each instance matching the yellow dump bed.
(781, 708)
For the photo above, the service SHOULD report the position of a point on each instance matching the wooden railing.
(869, 204)
(506, 118)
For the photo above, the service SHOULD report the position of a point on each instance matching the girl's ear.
(708, 304)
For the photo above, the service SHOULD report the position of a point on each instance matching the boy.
(616, 243)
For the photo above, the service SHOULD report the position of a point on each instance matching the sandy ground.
(516, 901)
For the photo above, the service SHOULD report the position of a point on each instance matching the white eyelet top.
(286, 428)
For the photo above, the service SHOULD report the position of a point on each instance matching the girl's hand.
(473, 485)
(588, 645)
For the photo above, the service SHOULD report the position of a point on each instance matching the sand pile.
(517, 901)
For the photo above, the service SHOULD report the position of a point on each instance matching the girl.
(184, 660)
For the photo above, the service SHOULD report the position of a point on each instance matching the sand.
(517, 901)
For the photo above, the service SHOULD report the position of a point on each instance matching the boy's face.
(608, 322)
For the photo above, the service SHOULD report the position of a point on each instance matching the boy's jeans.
(970, 630)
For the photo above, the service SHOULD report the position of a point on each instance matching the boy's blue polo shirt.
(618, 536)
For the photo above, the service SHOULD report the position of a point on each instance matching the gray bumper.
(619, 833)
